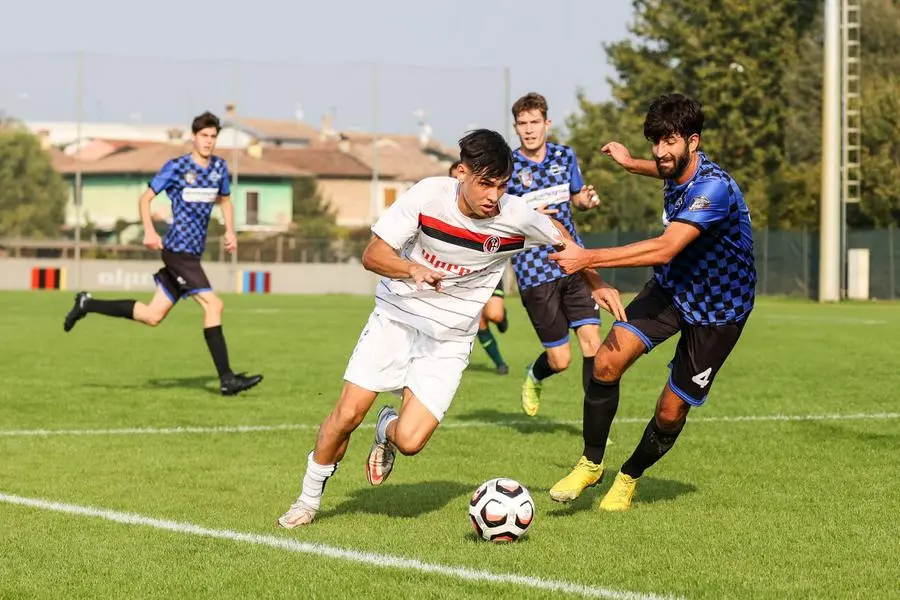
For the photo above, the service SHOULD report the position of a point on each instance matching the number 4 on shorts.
(702, 379)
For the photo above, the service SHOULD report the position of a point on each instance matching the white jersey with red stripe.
(427, 226)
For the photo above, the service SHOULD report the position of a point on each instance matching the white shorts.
(390, 356)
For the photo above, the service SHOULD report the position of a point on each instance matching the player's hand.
(570, 259)
(608, 298)
(546, 210)
(593, 200)
(424, 276)
(152, 241)
(230, 240)
(618, 153)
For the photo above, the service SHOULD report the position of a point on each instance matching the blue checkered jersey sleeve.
(706, 203)
(576, 181)
(225, 181)
(165, 178)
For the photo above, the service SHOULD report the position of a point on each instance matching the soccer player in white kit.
(441, 249)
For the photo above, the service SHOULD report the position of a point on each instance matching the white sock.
(314, 481)
(381, 428)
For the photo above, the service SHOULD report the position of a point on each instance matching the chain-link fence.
(787, 262)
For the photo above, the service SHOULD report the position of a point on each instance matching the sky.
(441, 64)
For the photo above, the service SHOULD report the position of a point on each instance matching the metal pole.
(235, 159)
(830, 210)
(375, 205)
(507, 105)
(79, 109)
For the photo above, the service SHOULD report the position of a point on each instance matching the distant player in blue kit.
(547, 176)
(194, 183)
(703, 286)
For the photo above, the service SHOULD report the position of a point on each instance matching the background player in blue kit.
(547, 176)
(703, 286)
(194, 182)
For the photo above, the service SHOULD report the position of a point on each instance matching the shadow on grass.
(407, 500)
(520, 422)
(205, 383)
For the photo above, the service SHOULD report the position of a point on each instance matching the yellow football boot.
(584, 475)
(620, 494)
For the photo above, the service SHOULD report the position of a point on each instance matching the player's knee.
(605, 369)
(559, 361)
(214, 306)
(348, 418)
(670, 418)
(154, 319)
(493, 314)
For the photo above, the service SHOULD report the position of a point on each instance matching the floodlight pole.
(830, 206)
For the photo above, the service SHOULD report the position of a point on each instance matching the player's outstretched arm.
(379, 257)
(646, 253)
(637, 166)
(604, 294)
(151, 239)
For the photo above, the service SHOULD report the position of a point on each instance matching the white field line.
(384, 561)
(537, 423)
(821, 319)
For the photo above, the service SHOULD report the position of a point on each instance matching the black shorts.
(701, 351)
(181, 275)
(556, 306)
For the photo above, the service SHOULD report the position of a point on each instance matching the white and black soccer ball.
(501, 510)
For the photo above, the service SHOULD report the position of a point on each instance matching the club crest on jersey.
(190, 178)
(492, 244)
(215, 177)
(526, 178)
(700, 203)
(555, 169)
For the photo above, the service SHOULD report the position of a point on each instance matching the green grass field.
(744, 506)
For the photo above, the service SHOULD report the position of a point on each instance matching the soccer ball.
(501, 510)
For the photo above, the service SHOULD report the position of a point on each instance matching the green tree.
(740, 58)
(314, 220)
(32, 194)
(313, 216)
(627, 202)
(880, 95)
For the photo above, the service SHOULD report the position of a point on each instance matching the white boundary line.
(537, 423)
(367, 558)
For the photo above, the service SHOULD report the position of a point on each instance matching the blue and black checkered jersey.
(552, 181)
(193, 191)
(713, 280)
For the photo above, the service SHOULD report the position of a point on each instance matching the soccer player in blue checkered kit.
(547, 176)
(702, 289)
(194, 183)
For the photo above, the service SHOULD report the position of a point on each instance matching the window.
(252, 208)
(390, 196)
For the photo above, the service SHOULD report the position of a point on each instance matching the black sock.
(587, 371)
(652, 447)
(486, 338)
(111, 308)
(541, 370)
(601, 399)
(216, 342)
